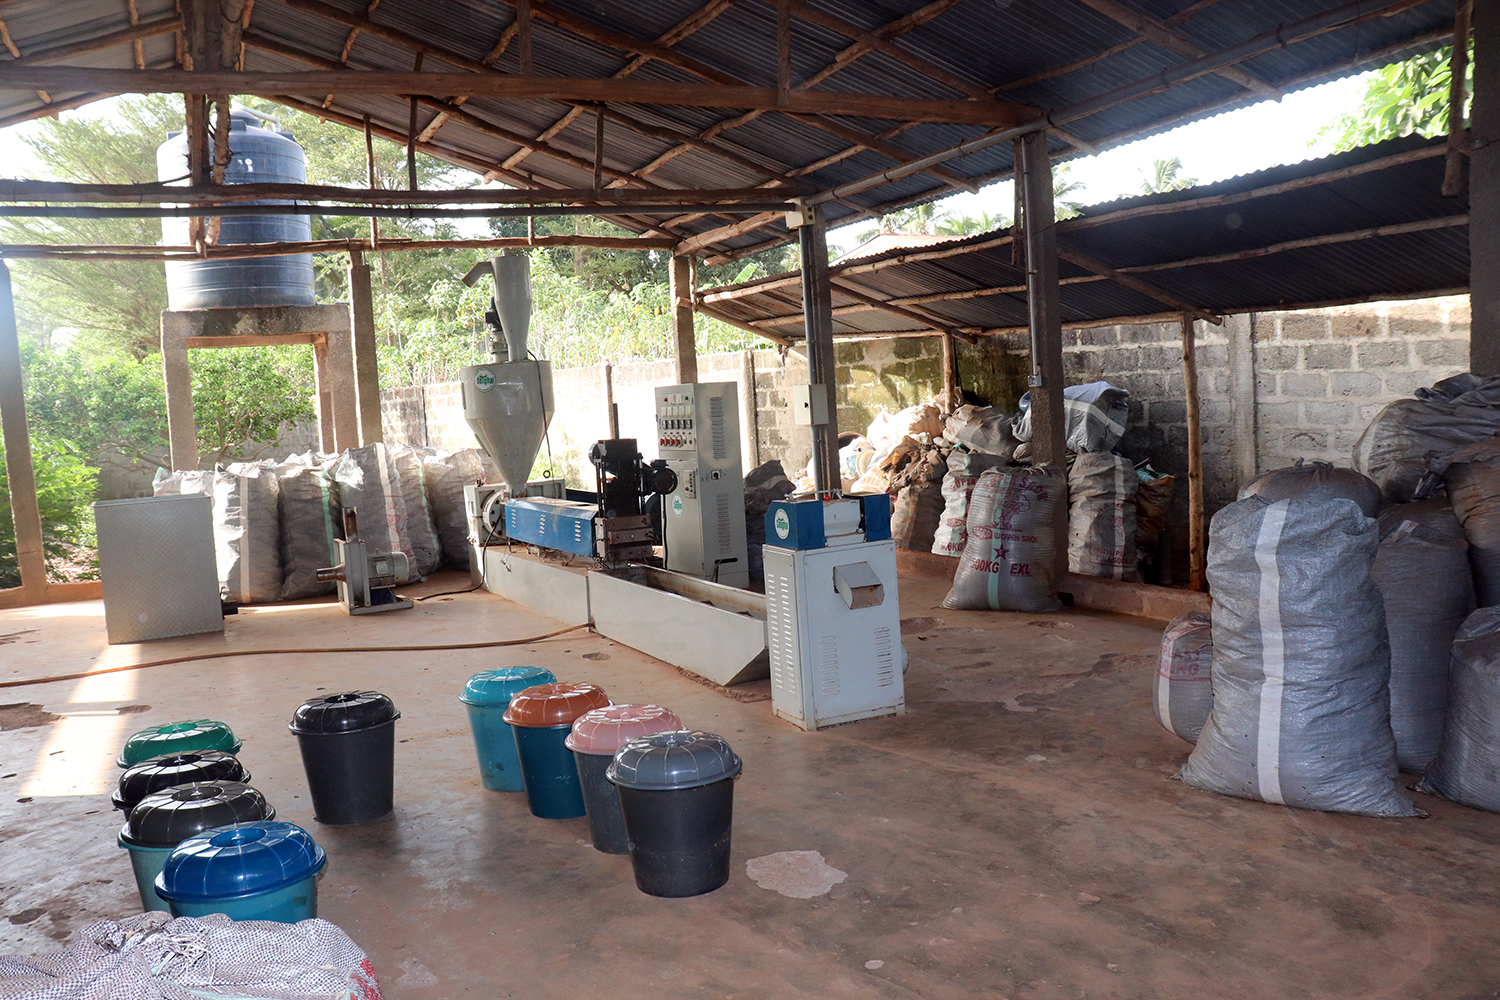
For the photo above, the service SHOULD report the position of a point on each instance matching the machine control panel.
(675, 417)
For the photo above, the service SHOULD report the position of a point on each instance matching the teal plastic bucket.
(286, 905)
(552, 787)
(486, 696)
(247, 871)
(146, 863)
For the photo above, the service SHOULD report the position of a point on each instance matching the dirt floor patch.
(749, 691)
(798, 874)
(24, 715)
(133, 709)
(10, 637)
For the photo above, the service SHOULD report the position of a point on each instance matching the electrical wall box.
(157, 567)
(810, 405)
(703, 520)
(800, 214)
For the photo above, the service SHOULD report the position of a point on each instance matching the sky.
(1253, 138)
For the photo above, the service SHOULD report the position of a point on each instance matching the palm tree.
(1164, 176)
(1063, 186)
(969, 225)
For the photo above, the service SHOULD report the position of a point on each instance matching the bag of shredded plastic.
(1010, 556)
(1184, 693)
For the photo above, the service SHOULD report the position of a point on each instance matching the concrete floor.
(1016, 834)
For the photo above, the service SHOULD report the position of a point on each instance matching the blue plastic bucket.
(248, 871)
(486, 696)
(550, 773)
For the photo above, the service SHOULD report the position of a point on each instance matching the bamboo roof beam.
(126, 252)
(935, 323)
(1128, 280)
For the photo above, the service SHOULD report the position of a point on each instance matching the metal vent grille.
(828, 666)
(723, 518)
(716, 421)
(780, 636)
(885, 663)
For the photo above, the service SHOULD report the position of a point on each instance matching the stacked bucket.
(202, 840)
(650, 787)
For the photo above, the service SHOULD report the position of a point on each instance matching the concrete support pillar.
(1484, 194)
(20, 475)
(817, 313)
(366, 362)
(1043, 299)
(182, 432)
(341, 383)
(322, 388)
(684, 342)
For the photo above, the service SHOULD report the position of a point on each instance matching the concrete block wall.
(1274, 387)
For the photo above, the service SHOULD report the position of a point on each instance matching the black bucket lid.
(666, 761)
(140, 780)
(170, 816)
(348, 712)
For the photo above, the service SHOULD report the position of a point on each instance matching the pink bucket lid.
(605, 730)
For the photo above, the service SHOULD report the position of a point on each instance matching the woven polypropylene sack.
(1422, 570)
(369, 483)
(964, 468)
(1094, 416)
(176, 483)
(421, 531)
(1395, 448)
(155, 956)
(1315, 481)
(1473, 481)
(1153, 500)
(309, 524)
(247, 533)
(1184, 693)
(1467, 766)
(445, 477)
(916, 515)
(984, 429)
(1101, 516)
(1008, 561)
(1301, 667)
(764, 485)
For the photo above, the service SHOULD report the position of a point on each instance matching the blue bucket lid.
(242, 859)
(665, 761)
(498, 687)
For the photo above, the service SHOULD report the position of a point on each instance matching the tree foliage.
(1400, 99)
(65, 492)
(1166, 175)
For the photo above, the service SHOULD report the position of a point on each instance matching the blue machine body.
(798, 524)
(566, 525)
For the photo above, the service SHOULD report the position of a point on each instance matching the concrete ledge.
(1140, 599)
(56, 593)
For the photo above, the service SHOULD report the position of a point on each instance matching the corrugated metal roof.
(990, 44)
(1122, 236)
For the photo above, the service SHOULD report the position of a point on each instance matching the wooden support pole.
(411, 135)
(599, 148)
(1458, 137)
(817, 307)
(20, 475)
(1197, 529)
(370, 170)
(952, 395)
(1048, 429)
(684, 342)
(366, 361)
(523, 37)
(1484, 195)
(783, 51)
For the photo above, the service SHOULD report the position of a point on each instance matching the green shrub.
(65, 487)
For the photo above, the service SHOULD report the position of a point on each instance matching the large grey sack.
(445, 477)
(1315, 481)
(1467, 767)
(1395, 448)
(1472, 476)
(1301, 667)
(421, 532)
(1094, 416)
(1422, 570)
(1009, 558)
(985, 429)
(247, 533)
(369, 483)
(309, 524)
(1183, 694)
(1101, 516)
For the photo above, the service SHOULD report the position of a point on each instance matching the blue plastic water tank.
(257, 154)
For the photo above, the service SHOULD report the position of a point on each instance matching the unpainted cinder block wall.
(1275, 387)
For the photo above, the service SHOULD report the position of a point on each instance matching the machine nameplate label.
(783, 525)
(677, 506)
(484, 380)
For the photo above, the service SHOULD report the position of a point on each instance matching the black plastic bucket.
(676, 792)
(348, 744)
(606, 823)
(679, 839)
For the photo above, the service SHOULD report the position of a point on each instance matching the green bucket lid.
(178, 737)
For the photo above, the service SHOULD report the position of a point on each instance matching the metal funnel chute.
(508, 402)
